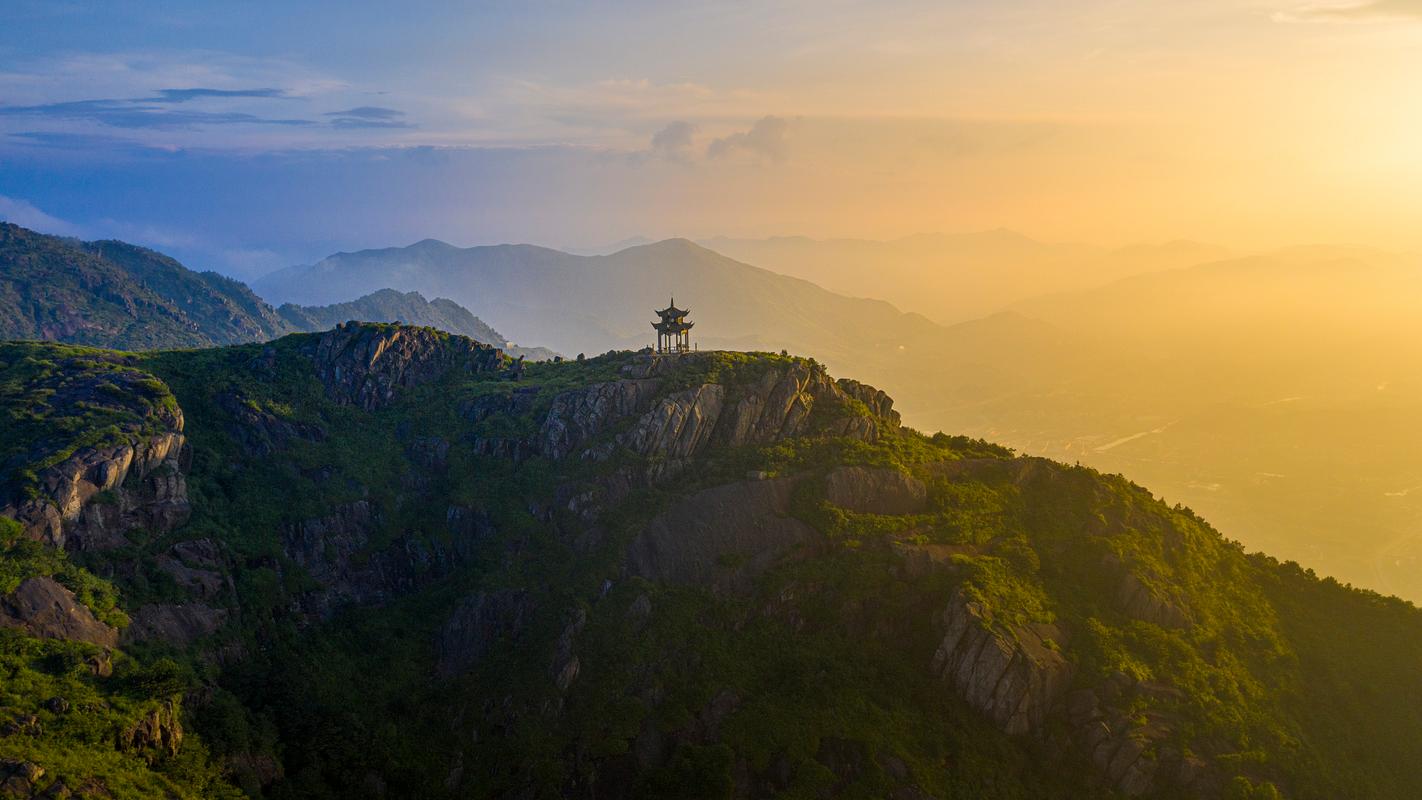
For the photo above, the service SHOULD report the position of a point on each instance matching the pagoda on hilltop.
(673, 331)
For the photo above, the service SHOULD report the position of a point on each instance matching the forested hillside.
(380, 562)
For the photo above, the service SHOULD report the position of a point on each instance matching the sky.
(245, 137)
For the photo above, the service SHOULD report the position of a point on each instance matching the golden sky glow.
(1246, 122)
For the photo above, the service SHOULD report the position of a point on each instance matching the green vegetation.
(58, 399)
(814, 682)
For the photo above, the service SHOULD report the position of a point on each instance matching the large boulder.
(876, 490)
(43, 607)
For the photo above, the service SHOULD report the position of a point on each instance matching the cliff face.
(364, 364)
(134, 470)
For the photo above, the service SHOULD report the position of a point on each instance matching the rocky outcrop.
(174, 623)
(335, 551)
(1012, 676)
(141, 484)
(478, 623)
(1139, 600)
(519, 401)
(365, 364)
(258, 431)
(721, 537)
(566, 666)
(876, 490)
(1134, 750)
(579, 415)
(135, 469)
(679, 425)
(19, 778)
(775, 407)
(43, 607)
(198, 567)
(159, 731)
(879, 403)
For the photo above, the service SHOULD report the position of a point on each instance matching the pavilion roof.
(672, 311)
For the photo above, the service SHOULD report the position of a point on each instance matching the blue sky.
(245, 137)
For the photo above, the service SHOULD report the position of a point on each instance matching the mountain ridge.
(419, 569)
(114, 294)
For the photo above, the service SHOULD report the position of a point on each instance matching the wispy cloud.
(149, 112)
(369, 112)
(371, 117)
(184, 95)
(25, 214)
(1366, 11)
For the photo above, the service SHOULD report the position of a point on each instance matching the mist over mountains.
(957, 277)
(577, 303)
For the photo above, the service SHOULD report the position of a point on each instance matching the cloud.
(135, 113)
(368, 117)
(1366, 11)
(352, 123)
(767, 138)
(673, 142)
(368, 112)
(26, 215)
(184, 95)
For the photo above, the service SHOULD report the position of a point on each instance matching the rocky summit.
(384, 561)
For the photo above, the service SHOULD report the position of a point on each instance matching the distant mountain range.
(957, 277)
(114, 294)
(591, 304)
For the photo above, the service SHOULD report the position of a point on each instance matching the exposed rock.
(1144, 603)
(775, 407)
(18, 777)
(207, 584)
(679, 425)
(468, 523)
(43, 607)
(565, 665)
(146, 433)
(363, 364)
(721, 537)
(260, 432)
(334, 550)
(1013, 677)
(512, 449)
(477, 624)
(879, 403)
(519, 401)
(155, 496)
(429, 452)
(174, 623)
(876, 490)
(577, 416)
(159, 730)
